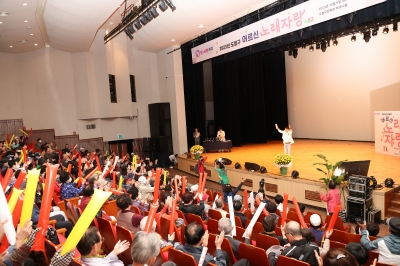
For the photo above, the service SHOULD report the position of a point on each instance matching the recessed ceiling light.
(110, 23)
(35, 44)
(201, 26)
(31, 34)
(25, 21)
(172, 40)
(2, 36)
(4, 14)
(29, 28)
(24, 4)
(10, 46)
(1, 22)
(23, 41)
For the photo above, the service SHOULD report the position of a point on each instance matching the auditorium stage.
(306, 188)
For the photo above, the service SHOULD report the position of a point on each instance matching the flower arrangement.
(283, 160)
(197, 149)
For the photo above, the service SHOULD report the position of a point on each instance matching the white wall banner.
(298, 17)
(387, 132)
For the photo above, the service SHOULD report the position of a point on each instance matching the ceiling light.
(295, 53)
(153, 12)
(110, 23)
(143, 20)
(201, 25)
(2, 36)
(25, 21)
(31, 34)
(318, 46)
(335, 42)
(395, 26)
(148, 16)
(386, 30)
(353, 38)
(375, 31)
(367, 36)
(23, 41)
(311, 48)
(130, 28)
(35, 44)
(29, 28)
(4, 14)
(24, 4)
(11, 46)
(171, 5)
(137, 24)
(173, 40)
(1, 22)
(162, 6)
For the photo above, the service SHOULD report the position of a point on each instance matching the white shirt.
(221, 135)
(287, 136)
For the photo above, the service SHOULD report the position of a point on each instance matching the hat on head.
(237, 198)
(315, 220)
(194, 188)
(394, 224)
(142, 180)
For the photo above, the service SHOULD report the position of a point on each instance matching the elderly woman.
(189, 207)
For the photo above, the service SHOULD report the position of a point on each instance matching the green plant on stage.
(330, 170)
(283, 160)
(197, 149)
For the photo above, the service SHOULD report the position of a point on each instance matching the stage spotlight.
(367, 36)
(318, 46)
(335, 42)
(311, 48)
(263, 170)
(395, 26)
(163, 6)
(171, 5)
(290, 52)
(295, 53)
(385, 30)
(153, 12)
(137, 24)
(143, 20)
(375, 31)
(323, 47)
(353, 38)
(237, 166)
(128, 33)
(295, 174)
(148, 16)
(130, 28)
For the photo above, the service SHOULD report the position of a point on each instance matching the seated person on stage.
(228, 190)
(126, 217)
(219, 204)
(221, 135)
(189, 207)
(90, 245)
(225, 225)
(269, 224)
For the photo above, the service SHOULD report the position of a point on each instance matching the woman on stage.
(221, 169)
(287, 138)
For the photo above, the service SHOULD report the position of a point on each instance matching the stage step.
(397, 196)
(393, 212)
(395, 204)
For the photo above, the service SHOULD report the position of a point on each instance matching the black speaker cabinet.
(252, 166)
(225, 161)
(160, 127)
(358, 208)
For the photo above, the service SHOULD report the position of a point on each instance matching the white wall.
(333, 95)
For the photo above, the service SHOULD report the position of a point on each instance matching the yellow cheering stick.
(23, 132)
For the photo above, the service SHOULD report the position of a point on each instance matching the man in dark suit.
(237, 207)
(225, 225)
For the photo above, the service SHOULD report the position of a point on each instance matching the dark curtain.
(250, 97)
(194, 96)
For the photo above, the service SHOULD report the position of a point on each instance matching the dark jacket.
(196, 253)
(194, 209)
(242, 218)
(282, 241)
(232, 193)
(299, 250)
(236, 243)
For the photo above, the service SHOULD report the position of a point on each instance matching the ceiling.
(72, 25)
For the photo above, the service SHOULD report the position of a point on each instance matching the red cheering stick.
(20, 179)
(176, 189)
(150, 218)
(299, 214)
(91, 173)
(183, 180)
(264, 210)
(114, 180)
(69, 168)
(80, 166)
(24, 153)
(334, 217)
(200, 181)
(156, 185)
(6, 179)
(98, 163)
(172, 221)
(245, 200)
(203, 186)
(284, 210)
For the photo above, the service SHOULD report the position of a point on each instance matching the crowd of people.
(132, 183)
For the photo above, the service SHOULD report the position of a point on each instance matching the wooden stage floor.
(382, 166)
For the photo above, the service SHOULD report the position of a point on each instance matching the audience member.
(68, 189)
(315, 223)
(189, 207)
(126, 217)
(225, 225)
(145, 249)
(332, 198)
(337, 257)
(237, 207)
(358, 251)
(227, 188)
(219, 204)
(269, 224)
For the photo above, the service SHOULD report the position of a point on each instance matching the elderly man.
(225, 225)
(299, 248)
(219, 204)
(90, 245)
(145, 249)
(389, 246)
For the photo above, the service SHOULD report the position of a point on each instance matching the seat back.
(220, 195)
(77, 212)
(136, 210)
(195, 218)
(61, 204)
(239, 233)
(70, 212)
(339, 236)
(248, 214)
(293, 216)
(353, 237)
(210, 195)
(257, 229)
(181, 215)
(285, 261)
(225, 246)
(181, 258)
(253, 254)
(125, 234)
(107, 231)
(265, 242)
(183, 239)
(74, 201)
(217, 215)
(261, 217)
(111, 208)
(371, 257)
(338, 223)
(335, 244)
(212, 226)
(164, 223)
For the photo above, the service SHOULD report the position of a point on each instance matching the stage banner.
(298, 17)
(387, 132)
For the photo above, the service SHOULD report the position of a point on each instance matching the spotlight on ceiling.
(375, 31)
(318, 46)
(290, 52)
(137, 24)
(367, 35)
(148, 16)
(395, 26)
(171, 5)
(163, 6)
(323, 46)
(311, 48)
(153, 12)
(128, 33)
(130, 28)
(353, 38)
(335, 42)
(385, 30)
(295, 53)
(143, 20)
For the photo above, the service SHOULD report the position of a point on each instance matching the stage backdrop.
(387, 132)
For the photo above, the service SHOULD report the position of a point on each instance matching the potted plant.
(283, 161)
(197, 150)
(330, 171)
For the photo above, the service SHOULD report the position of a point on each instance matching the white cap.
(194, 188)
(315, 220)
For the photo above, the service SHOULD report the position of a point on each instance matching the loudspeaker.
(252, 166)
(225, 161)
(263, 170)
(237, 166)
(160, 127)
(295, 174)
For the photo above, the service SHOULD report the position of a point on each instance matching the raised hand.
(205, 239)
(219, 239)
(121, 247)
